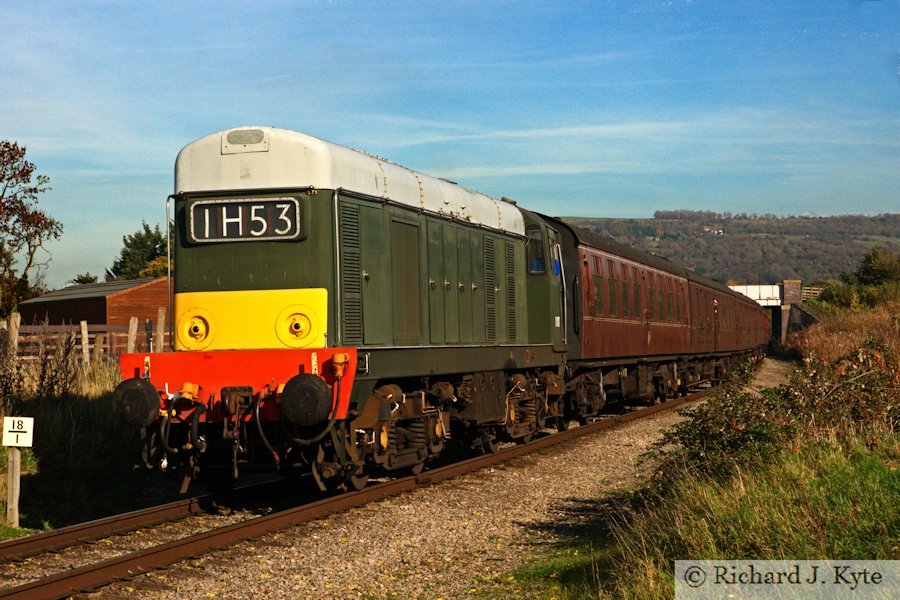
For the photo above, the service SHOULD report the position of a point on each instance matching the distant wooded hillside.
(750, 248)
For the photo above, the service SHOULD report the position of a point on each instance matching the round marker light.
(196, 329)
(298, 326)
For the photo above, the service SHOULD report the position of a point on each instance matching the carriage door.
(557, 292)
(715, 307)
(647, 300)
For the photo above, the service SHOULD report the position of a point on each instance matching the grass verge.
(827, 498)
(804, 471)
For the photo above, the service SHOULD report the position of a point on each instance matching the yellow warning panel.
(293, 318)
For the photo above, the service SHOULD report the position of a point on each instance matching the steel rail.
(56, 539)
(131, 565)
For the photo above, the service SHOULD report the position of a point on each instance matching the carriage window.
(613, 289)
(671, 306)
(626, 301)
(678, 316)
(613, 293)
(660, 304)
(535, 251)
(636, 293)
(598, 295)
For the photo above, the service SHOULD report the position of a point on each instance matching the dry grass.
(77, 442)
(842, 333)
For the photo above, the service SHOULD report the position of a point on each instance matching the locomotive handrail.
(169, 273)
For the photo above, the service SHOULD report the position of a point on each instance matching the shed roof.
(91, 290)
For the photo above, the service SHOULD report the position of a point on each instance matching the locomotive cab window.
(535, 251)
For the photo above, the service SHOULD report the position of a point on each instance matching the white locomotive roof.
(256, 158)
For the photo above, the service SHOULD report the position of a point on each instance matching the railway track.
(127, 566)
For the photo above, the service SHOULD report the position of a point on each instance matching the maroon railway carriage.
(642, 326)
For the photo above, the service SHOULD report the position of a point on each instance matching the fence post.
(160, 329)
(98, 346)
(15, 320)
(132, 334)
(85, 343)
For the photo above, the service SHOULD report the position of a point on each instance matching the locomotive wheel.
(417, 468)
(324, 481)
(527, 437)
(358, 479)
(491, 445)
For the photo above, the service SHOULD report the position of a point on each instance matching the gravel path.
(451, 540)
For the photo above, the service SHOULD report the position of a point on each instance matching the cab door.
(435, 290)
(557, 277)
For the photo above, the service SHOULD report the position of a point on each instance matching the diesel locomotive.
(336, 314)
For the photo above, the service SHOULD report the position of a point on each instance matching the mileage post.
(18, 432)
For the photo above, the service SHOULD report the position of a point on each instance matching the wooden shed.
(111, 303)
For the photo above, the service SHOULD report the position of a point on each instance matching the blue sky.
(582, 108)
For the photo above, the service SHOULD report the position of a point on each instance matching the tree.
(139, 249)
(878, 266)
(24, 229)
(83, 279)
(156, 268)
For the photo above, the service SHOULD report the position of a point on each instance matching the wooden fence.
(808, 293)
(92, 342)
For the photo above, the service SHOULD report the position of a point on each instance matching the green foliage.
(7, 533)
(875, 282)
(878, 266)
(738, 426)
(732, 427)
(157, 267)
(139, 250)
(826, 499)
(83, 279)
